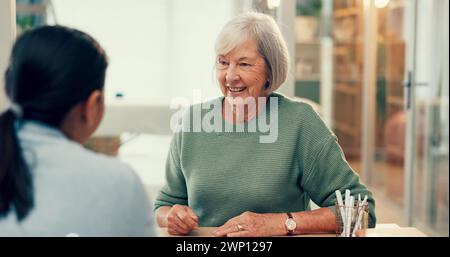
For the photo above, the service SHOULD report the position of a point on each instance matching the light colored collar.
(39, 128)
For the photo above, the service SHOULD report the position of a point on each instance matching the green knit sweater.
(223, 174)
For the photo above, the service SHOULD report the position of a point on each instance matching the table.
(381, 230)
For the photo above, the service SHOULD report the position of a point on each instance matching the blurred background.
(376, 70)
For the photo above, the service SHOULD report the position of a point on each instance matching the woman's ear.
(267, 85)
(94, 108)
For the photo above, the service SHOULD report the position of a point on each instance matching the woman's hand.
(254, 224)
(181, 220)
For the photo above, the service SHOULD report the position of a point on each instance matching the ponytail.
(16, 187)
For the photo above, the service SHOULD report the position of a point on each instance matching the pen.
(341, 208)
(347, 207)
(350, 215)
(360, 214)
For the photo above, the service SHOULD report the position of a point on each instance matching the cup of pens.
(352, 214)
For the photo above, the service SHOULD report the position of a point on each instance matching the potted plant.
(307, 20)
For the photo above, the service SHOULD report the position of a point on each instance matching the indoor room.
(374, 71)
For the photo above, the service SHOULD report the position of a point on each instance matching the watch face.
(290, 224)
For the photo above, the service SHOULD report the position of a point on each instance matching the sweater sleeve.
(329, 171)
(174, 191)
(324, 167)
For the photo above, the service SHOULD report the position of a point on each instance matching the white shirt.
(77, 191)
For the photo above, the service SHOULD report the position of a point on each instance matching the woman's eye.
(245, 64)
(221, 62)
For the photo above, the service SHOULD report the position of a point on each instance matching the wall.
(158, 49)
(161, 50)
(7, 35)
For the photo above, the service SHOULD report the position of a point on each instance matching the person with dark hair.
(49, 184)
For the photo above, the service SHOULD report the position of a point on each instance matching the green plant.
(309, 7)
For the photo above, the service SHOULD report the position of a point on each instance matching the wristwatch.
(290, 224)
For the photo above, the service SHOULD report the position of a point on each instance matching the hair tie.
(16, 110)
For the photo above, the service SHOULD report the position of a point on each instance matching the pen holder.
(364, 224)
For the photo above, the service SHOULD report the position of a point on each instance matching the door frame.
(424, 68)
(410, 108)
(369, 99)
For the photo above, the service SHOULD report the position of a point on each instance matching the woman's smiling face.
(242, 72)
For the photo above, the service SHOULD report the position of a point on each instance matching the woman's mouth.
(236, 89)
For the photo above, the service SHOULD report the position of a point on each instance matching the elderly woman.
(231, 180)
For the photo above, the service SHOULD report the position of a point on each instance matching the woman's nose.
(232, 74)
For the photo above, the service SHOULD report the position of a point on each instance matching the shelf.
(396, 5)
(347, 63)
(340, 50)
(309, 78)
(345, 128)
(314, 43)
(345, 88)
(395, 100)
(346, 12)
(350, 81)
(347, 43)
(37, 9)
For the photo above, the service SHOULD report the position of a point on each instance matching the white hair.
(271, 43)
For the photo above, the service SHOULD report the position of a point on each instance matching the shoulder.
(112, 178)
(103, 165)
(49, 151)
(67, 159)
(304, 108)
(303, 114)
(108, 172)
